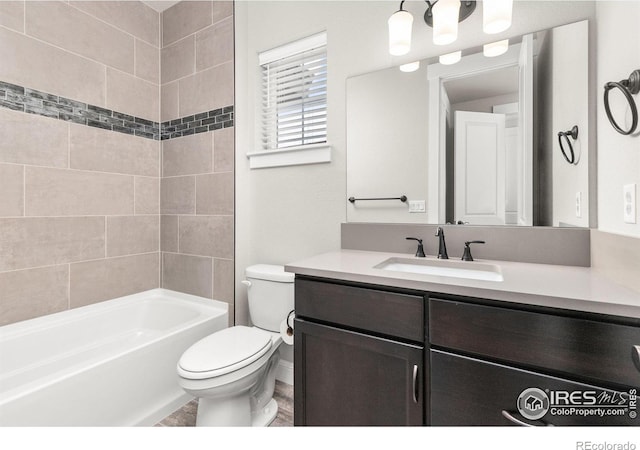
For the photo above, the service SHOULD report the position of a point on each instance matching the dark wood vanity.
(366, 354)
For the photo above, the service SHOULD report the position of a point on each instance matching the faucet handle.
(420, 250)
(466, 255)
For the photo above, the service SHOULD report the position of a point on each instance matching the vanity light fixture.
(495, 48)
(445, 21)
(450, 58)
(496, 15)
(410, 67)
(400, 24)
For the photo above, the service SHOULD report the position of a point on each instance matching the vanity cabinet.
(358, 356)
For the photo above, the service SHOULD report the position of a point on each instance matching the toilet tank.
(270, 291)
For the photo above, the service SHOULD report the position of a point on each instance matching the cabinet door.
(467, 391)
(348, 378)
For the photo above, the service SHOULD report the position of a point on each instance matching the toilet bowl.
(232, 371)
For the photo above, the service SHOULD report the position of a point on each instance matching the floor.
(186, 416)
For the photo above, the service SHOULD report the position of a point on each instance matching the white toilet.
(232, 371)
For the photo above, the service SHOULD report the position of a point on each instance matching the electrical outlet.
(629, 203)
(417, 206)
(578, 204)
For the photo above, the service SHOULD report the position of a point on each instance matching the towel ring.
(573, 133)
(627, 87)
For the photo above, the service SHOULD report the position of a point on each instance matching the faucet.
(442, 246)
(466, 255)
(420, 250)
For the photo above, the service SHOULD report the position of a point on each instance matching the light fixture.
(496, 15)
(410, 67)
(445, 21)
(496, 48)
(450, 58)
(400, 32)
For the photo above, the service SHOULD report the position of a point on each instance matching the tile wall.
(197, 184)
(100, 114)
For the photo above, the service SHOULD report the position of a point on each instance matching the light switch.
(417, 206)
(629, 203)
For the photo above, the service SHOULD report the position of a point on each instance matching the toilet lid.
(223, 352)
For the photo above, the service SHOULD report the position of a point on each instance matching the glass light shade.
(496, 48)
(400, 32)
(410, 67)
(496, 15)
(445, 21)
(450, 58)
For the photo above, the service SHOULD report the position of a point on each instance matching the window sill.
(294, 156)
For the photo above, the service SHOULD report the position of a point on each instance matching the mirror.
(475, 142)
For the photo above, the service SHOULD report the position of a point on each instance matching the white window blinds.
(294, 94)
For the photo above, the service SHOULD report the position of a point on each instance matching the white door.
(480, 168)
(525, 132)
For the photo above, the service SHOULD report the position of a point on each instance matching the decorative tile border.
(32, 101)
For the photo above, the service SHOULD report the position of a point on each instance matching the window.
(293, 104)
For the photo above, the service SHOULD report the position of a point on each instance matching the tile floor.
(186, 416)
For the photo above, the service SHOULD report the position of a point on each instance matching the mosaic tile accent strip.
(32, 101)
(198, 123)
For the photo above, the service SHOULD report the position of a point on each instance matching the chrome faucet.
(442, 246)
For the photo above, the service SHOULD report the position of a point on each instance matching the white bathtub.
(108, 364)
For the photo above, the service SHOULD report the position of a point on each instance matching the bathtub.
(108, 364)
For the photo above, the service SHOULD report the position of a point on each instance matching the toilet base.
(266, 415)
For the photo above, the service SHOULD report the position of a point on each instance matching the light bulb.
(445, 21)
(496, 15)
(400, 32)
(496, 48)
(450, 58)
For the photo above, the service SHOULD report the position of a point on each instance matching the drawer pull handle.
(635, 356)
(511, 418)
(415, 383)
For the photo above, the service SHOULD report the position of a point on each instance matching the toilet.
(233, 371)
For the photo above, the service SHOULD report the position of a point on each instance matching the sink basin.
(469, 270)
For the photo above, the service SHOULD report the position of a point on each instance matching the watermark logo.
(533, 403)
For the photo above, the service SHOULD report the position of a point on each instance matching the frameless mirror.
(475, 142)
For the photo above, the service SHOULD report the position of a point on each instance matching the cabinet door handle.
(635, 356)
(511, 418)
(415, 383)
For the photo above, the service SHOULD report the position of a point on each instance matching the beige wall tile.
(11, 190)
(222, 9)
(130, 235)
(12, 15)
(189, 274)
(223, 280)
(185, 18)
(131, 95)
(28, 62)
(62, 192)
(42, 241)
(104, 279)
(178, 195)
(169, 102)
(32, 293)
(206, 236)
(169, 233)
(32, 139)
(215, 194)
(214, 44)
(147, 62)
(71, 29)
(207, 90)
(106, 151)
(133, 17)
(223, 150)
(147, 196)
(178, 60)
(187, 155)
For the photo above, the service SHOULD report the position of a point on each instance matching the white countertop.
(567, 287)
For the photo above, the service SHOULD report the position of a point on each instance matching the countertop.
(567, 287)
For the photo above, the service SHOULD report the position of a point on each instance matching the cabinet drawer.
(382, 312)
(467, 391)
(590, 349)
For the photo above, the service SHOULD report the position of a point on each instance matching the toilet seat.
(224, 352)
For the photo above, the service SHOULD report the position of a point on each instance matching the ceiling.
(160, 5)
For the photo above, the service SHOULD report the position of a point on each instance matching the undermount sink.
(470, 270)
